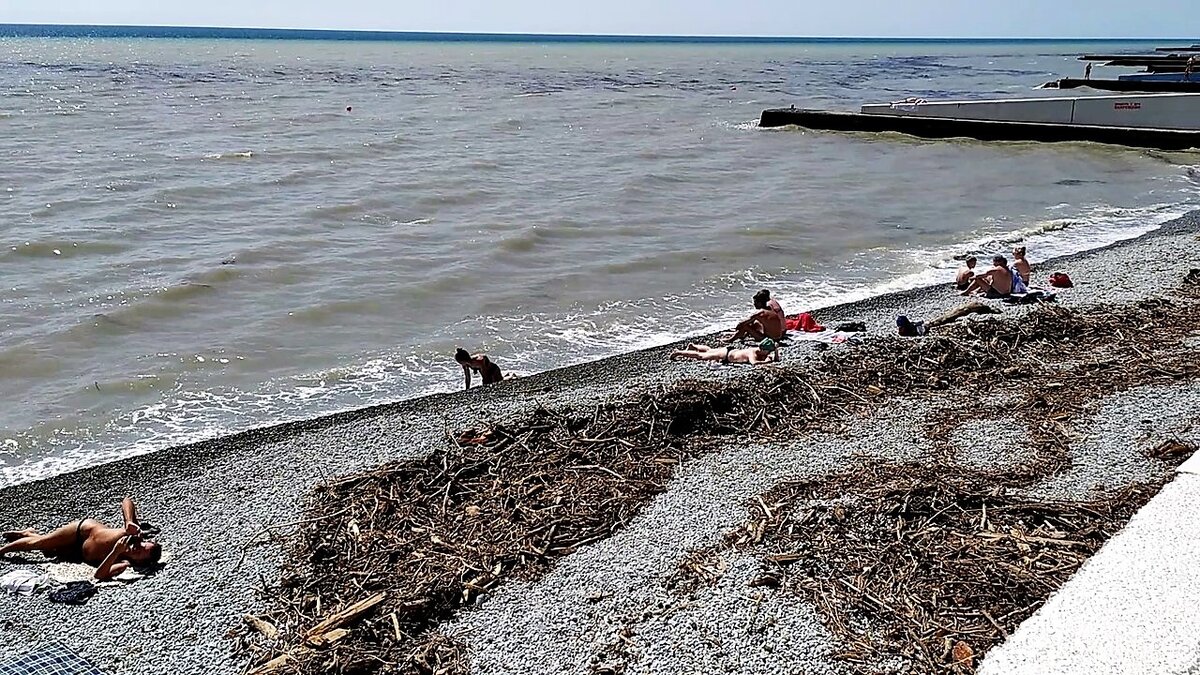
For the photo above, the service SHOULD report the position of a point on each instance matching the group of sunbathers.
(999, 281)
(112, 550)
(767, 324)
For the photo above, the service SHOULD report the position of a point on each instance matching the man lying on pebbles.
(765, 352)
(111, 550)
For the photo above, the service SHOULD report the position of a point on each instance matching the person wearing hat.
(765, 352)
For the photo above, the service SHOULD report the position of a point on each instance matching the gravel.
(210, 498)
(1112, 444)
(983, 444)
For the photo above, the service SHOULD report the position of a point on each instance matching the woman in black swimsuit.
(766, 352)
(109, 549)
(479, 363)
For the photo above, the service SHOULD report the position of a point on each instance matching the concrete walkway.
(1133, 608)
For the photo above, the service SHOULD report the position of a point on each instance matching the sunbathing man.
(763, 323)
(479, 363)
(765, 352)
(965, 273)
(996, 282)
(1022, 264)
(111, 550)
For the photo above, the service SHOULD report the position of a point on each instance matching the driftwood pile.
(384, 557)
(937, 564)
(930, 564)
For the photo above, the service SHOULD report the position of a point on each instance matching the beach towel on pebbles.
(830, 337)
(48, 658)
(65, 573)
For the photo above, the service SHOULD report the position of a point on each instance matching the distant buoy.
(348, 108)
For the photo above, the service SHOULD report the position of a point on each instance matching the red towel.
(804, 323)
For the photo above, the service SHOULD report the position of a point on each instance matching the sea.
(203, 232)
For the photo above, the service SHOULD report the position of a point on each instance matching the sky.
(840, 18)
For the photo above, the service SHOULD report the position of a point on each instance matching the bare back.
(774, 306)
(772, 323)
(1001, 280)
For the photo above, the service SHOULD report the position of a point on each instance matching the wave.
(525, 342)
(56, 248)
(245, 154)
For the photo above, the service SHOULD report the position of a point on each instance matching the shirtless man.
(765, 352)
(963, 279)
(763, 299)
(1022, 264)
(765, 322)
(996, 282)
(111, 550)
(479, 363)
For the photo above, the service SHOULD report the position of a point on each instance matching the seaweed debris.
(384, 557)
(928, 564)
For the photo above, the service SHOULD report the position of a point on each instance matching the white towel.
(24, 582)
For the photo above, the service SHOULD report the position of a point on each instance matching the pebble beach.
(219, 502)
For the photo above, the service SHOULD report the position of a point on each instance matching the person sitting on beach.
(765, 352)
(111, 550)
(765, 322)
(965, 273)
(996, 282)
(763, 299)
(479, 363)
(1021, 264)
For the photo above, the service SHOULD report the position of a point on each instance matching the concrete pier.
(984, 130)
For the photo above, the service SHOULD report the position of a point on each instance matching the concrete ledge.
(931, 127)
(1131, 609)
(1192, 466)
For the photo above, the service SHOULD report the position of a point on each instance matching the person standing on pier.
(1087, 72)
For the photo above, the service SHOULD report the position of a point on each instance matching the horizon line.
(28, 29)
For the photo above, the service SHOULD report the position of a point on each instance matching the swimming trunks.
(725, 358)
(491, 372)
(993, 294)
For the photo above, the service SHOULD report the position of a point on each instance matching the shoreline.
(827, 315)
(208, 494)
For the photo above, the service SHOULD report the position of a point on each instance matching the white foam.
(545, 341)
(246, 154)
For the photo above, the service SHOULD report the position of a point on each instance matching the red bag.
(1061, 280)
